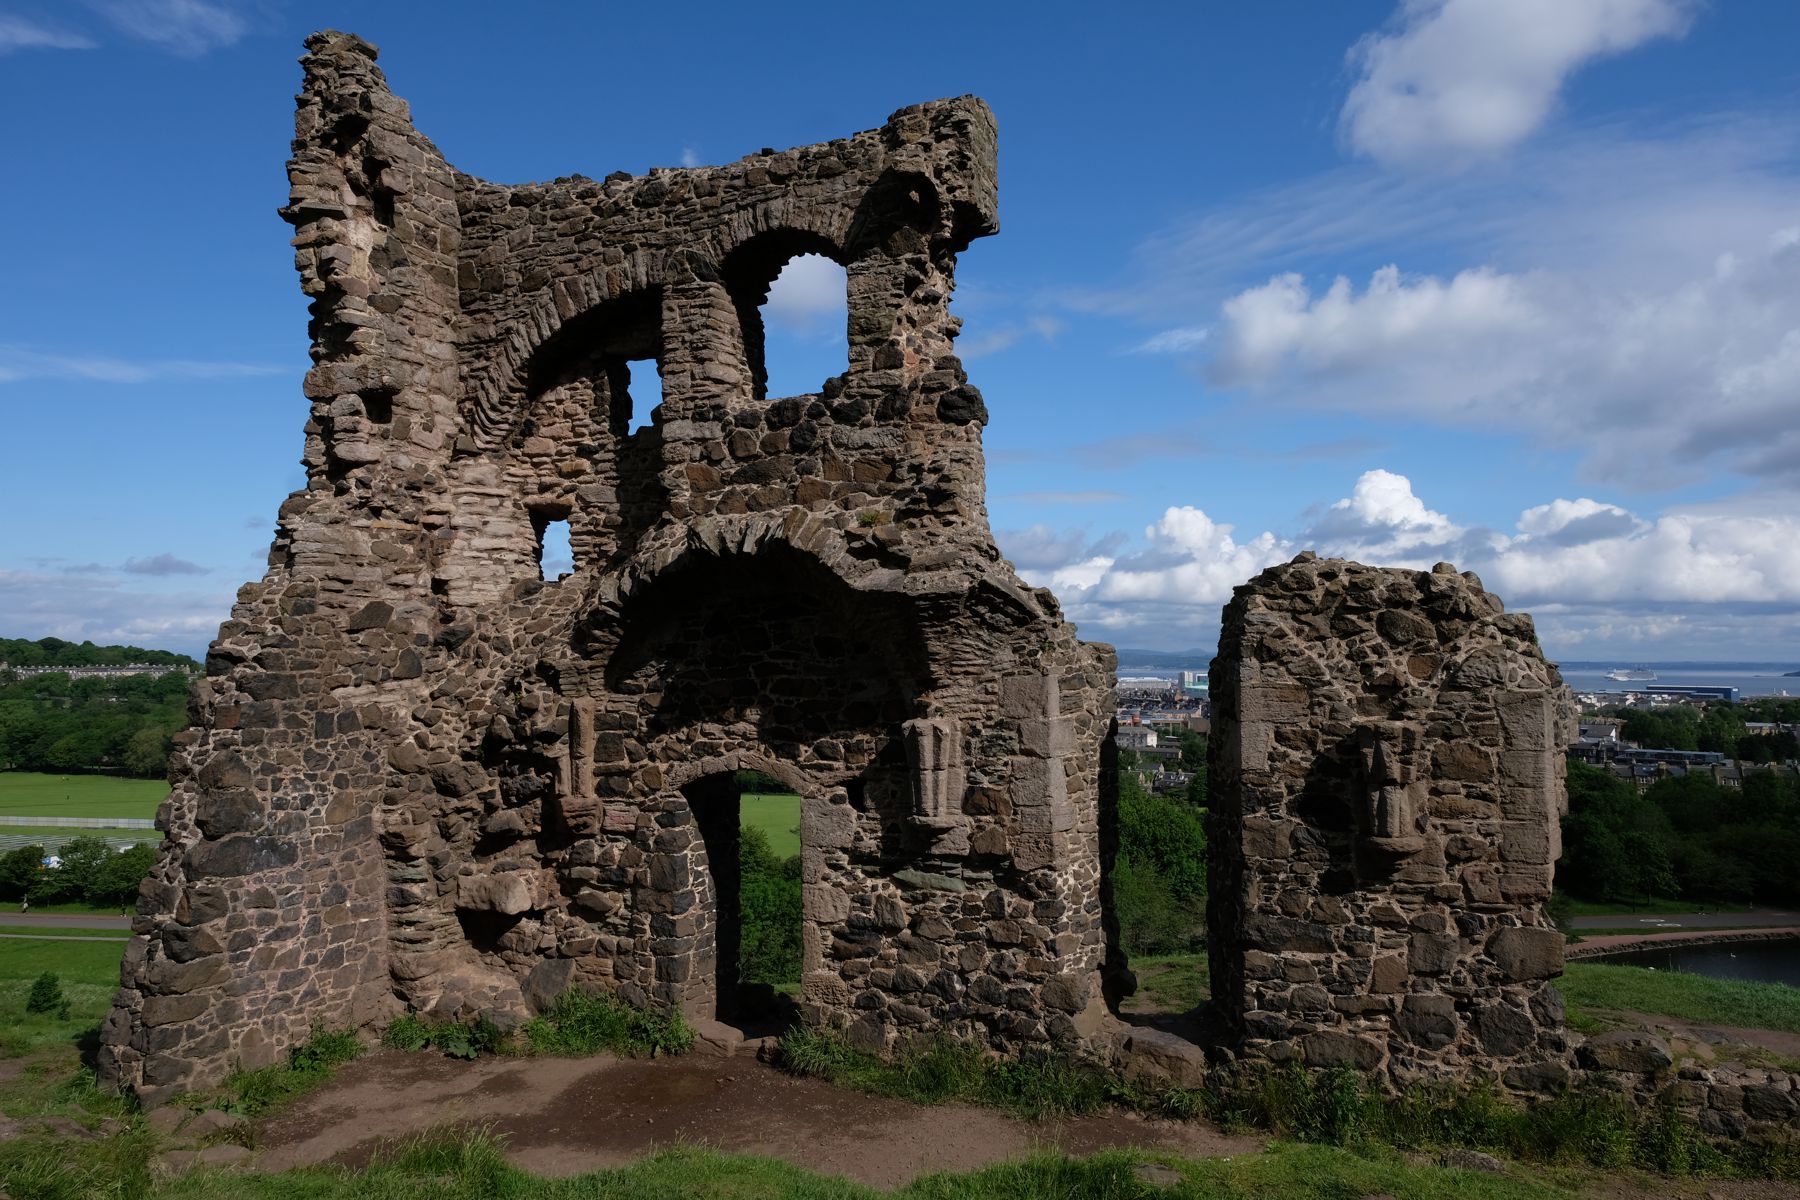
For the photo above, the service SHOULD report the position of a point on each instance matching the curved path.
(1613, 943)
(1656, 922)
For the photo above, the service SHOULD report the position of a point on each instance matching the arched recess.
(764, 660)
(749, 272)
(573, 437)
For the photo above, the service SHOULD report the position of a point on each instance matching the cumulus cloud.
(1042, 547)
(1455, 78)
(1263, 326)
(163, 564)
(1382, 521)
(1655, 383)
(184, 27)
(1598, 575)
(17, 33)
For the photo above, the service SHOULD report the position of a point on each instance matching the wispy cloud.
(37, 605)
(1094, 497)
(163, 564)
(21, 362)
(17, 33)
(188, 28)
(996, 338)
(690, 157)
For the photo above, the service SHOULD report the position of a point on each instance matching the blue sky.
(1510, 282)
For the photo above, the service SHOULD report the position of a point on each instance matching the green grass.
(1607, 986)
(46, 932)
(581, 1023)
(777, 814)
(941, 1070)
(29, 794)
(456, 1164)
(1170, 983)
(1612, 908)
(89, 975)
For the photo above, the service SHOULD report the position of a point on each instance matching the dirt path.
(1749, 919)
(565, 1116)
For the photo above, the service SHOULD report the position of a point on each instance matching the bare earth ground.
(565, 1116)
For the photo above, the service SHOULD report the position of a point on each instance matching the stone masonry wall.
(420, 776)
(1386, 771)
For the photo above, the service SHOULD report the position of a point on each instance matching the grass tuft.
(256, 1093)
(583, 1022)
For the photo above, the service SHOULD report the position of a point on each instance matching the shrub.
(47, 996)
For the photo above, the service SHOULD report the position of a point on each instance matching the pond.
(1774, 961)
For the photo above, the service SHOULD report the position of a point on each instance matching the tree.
(118, 878)
(147, 753)
(82, 861)
(19, 871)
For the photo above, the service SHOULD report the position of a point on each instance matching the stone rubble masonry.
(420, 777)
(1386, 786)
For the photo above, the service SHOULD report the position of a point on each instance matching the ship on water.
(1631, 675)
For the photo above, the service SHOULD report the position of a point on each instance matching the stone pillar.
(1386, 782)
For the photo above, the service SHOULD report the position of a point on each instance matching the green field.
(28, 794)
(1681, 994)
(777, 814)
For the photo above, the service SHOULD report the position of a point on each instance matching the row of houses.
(114, 671)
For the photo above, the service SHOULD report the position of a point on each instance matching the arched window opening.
(804, 320)
(792, 306)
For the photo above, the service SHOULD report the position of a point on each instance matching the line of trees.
(1159, 870)
(1684, 838)
(89, 871)
(122, 725)
(54, 652)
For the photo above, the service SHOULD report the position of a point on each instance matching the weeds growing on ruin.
(254, 1093)
(412, 1032)
(582, 1022)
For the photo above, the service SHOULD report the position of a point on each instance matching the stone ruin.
(422, 777)
(1386, 772)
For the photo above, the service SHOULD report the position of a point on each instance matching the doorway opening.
(749, 824)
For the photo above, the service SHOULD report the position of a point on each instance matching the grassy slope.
(776, 814)
(1679, 994)
(27, 794)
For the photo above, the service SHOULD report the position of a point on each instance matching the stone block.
(1525, 954)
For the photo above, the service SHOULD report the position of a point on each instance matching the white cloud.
(163, 564)
(77, 608)
(1176, 341)
(1382, 521)
(995, 338)
(1656, 382)
(808, 296)
(690, 157)
(21, 362)
(1712, 582)
(17, 33)
(1454, 78)
(184, 27)
(1263, 326)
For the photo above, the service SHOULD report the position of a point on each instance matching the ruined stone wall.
(419, 776)
(1386, 785)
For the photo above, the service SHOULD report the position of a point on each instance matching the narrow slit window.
(646, 393)
(556, 555)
